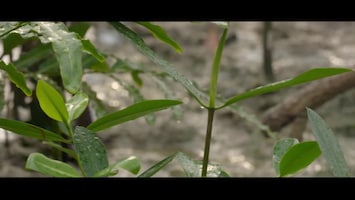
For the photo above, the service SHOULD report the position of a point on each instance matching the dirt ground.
(237, 144)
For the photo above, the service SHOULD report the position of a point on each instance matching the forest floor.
(237, 144)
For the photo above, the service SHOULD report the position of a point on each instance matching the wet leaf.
(131, 164)
(157, 167)
(77, 105)
(90, 150)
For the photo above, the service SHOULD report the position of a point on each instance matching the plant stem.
(207, 141)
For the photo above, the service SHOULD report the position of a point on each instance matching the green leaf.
(8, 27)
(95, 103)
(40, 163)
(310, 75)
(221, 24)
(131, 164)
(193, 168)
(33, 56)
(130, 113)
(298, 157)
(51, 102)
(2, 92)
(164, 65)
(90, 150)
(280, 148)
(328, 144)
(89, 48)
(16, 77)
(157, 167)
(216, 67)
(11, 41)
(61, 148)
(80, 28)
(29, 130)
(160, 34)
(68, 50)
(136, 78)
(77, 105)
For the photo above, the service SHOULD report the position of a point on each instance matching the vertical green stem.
(207, 141)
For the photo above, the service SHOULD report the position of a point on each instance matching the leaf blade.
(77, 105)
(130, 113)
(328, 144)
(16, 77)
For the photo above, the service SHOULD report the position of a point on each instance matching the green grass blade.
(16, 77)
(298, 157)
(51, 102)
(216, 67)
(160, 34)
(310, 75)
(130, 113)
(29, 130)
(157, 167)
(328, 144)
(40, 163)
(90, 150)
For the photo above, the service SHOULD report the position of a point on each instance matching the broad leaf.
(29, 130)
(40, 163)
(90, 150)
(298, 157)
(77, 105)
(68, 50)
(8, 27)
(328, 144)
(11, 41)
(160, 34)
(130, 113)
(51, 102)
(280, 148)
(310, 75)
(16, 77)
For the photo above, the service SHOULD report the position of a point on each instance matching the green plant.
(57, 58)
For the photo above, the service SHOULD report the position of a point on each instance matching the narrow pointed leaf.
(40, 163)
(90, 150)
(310, 75)
(138, 42)
(61, 148)
(298, 157)
(328, 144)
(215, 68)
(160, 34)
(80, 28)
(89, 48)
(29, 130)
(16, 77)
(68, 51)
(33, 56)
(130, 113)
(157, 167)
(77, 105)
(51, 102)
(280, 148)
